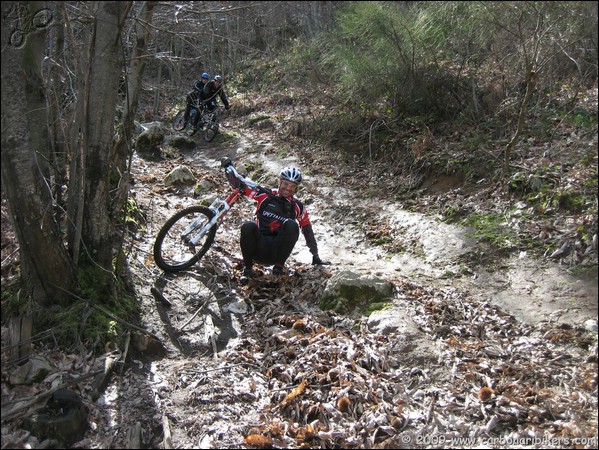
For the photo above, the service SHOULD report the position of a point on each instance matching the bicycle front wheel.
(178, 121)
(173, 250)
(210, 131)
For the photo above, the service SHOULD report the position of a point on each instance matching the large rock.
(179, 175)
(149, 140)
(349, 292)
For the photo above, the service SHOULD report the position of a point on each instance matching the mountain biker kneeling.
(270, 239)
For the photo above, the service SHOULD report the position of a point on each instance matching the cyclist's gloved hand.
(319, 262)
(225, 162)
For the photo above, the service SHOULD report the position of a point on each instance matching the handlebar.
(225, 162)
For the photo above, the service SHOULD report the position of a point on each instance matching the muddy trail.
(347, 223)
(473, 351)
(262, 365)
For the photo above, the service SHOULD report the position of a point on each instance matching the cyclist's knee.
(248, 229)
(291, 227)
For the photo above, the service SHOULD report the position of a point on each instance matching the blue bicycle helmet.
(205, 76)
(291, 174)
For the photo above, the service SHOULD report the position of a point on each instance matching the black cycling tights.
(267, 250)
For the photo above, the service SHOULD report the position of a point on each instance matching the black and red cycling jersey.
(272, 210)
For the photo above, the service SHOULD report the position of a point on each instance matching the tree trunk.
(59, 116)
(122, 151)
(45, 263)
(122, 148)
(90, 205)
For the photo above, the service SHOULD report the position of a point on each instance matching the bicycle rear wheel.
(178, 121)
(172, 250)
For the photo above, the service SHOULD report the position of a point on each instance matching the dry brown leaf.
(257, 440)
(297, 391)
(343, 404)
(485, 393)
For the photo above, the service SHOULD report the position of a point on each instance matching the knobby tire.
(178, 122)
(171, 252)
(210, 131)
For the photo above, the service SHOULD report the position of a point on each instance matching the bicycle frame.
(220, 207)
(205, 113)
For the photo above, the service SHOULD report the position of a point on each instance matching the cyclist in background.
(193, 97)
(211, 90)
(270, 239)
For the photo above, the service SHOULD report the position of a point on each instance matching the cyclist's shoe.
(278, 270)
(201, 125)
(246, 275)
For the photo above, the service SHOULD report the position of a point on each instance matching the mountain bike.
(189, 233)
(208, 122)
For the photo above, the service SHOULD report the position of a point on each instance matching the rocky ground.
(475, 350)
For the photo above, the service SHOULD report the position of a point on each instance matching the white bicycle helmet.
(291, 174)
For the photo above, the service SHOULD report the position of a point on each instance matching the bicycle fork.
(219, 207)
